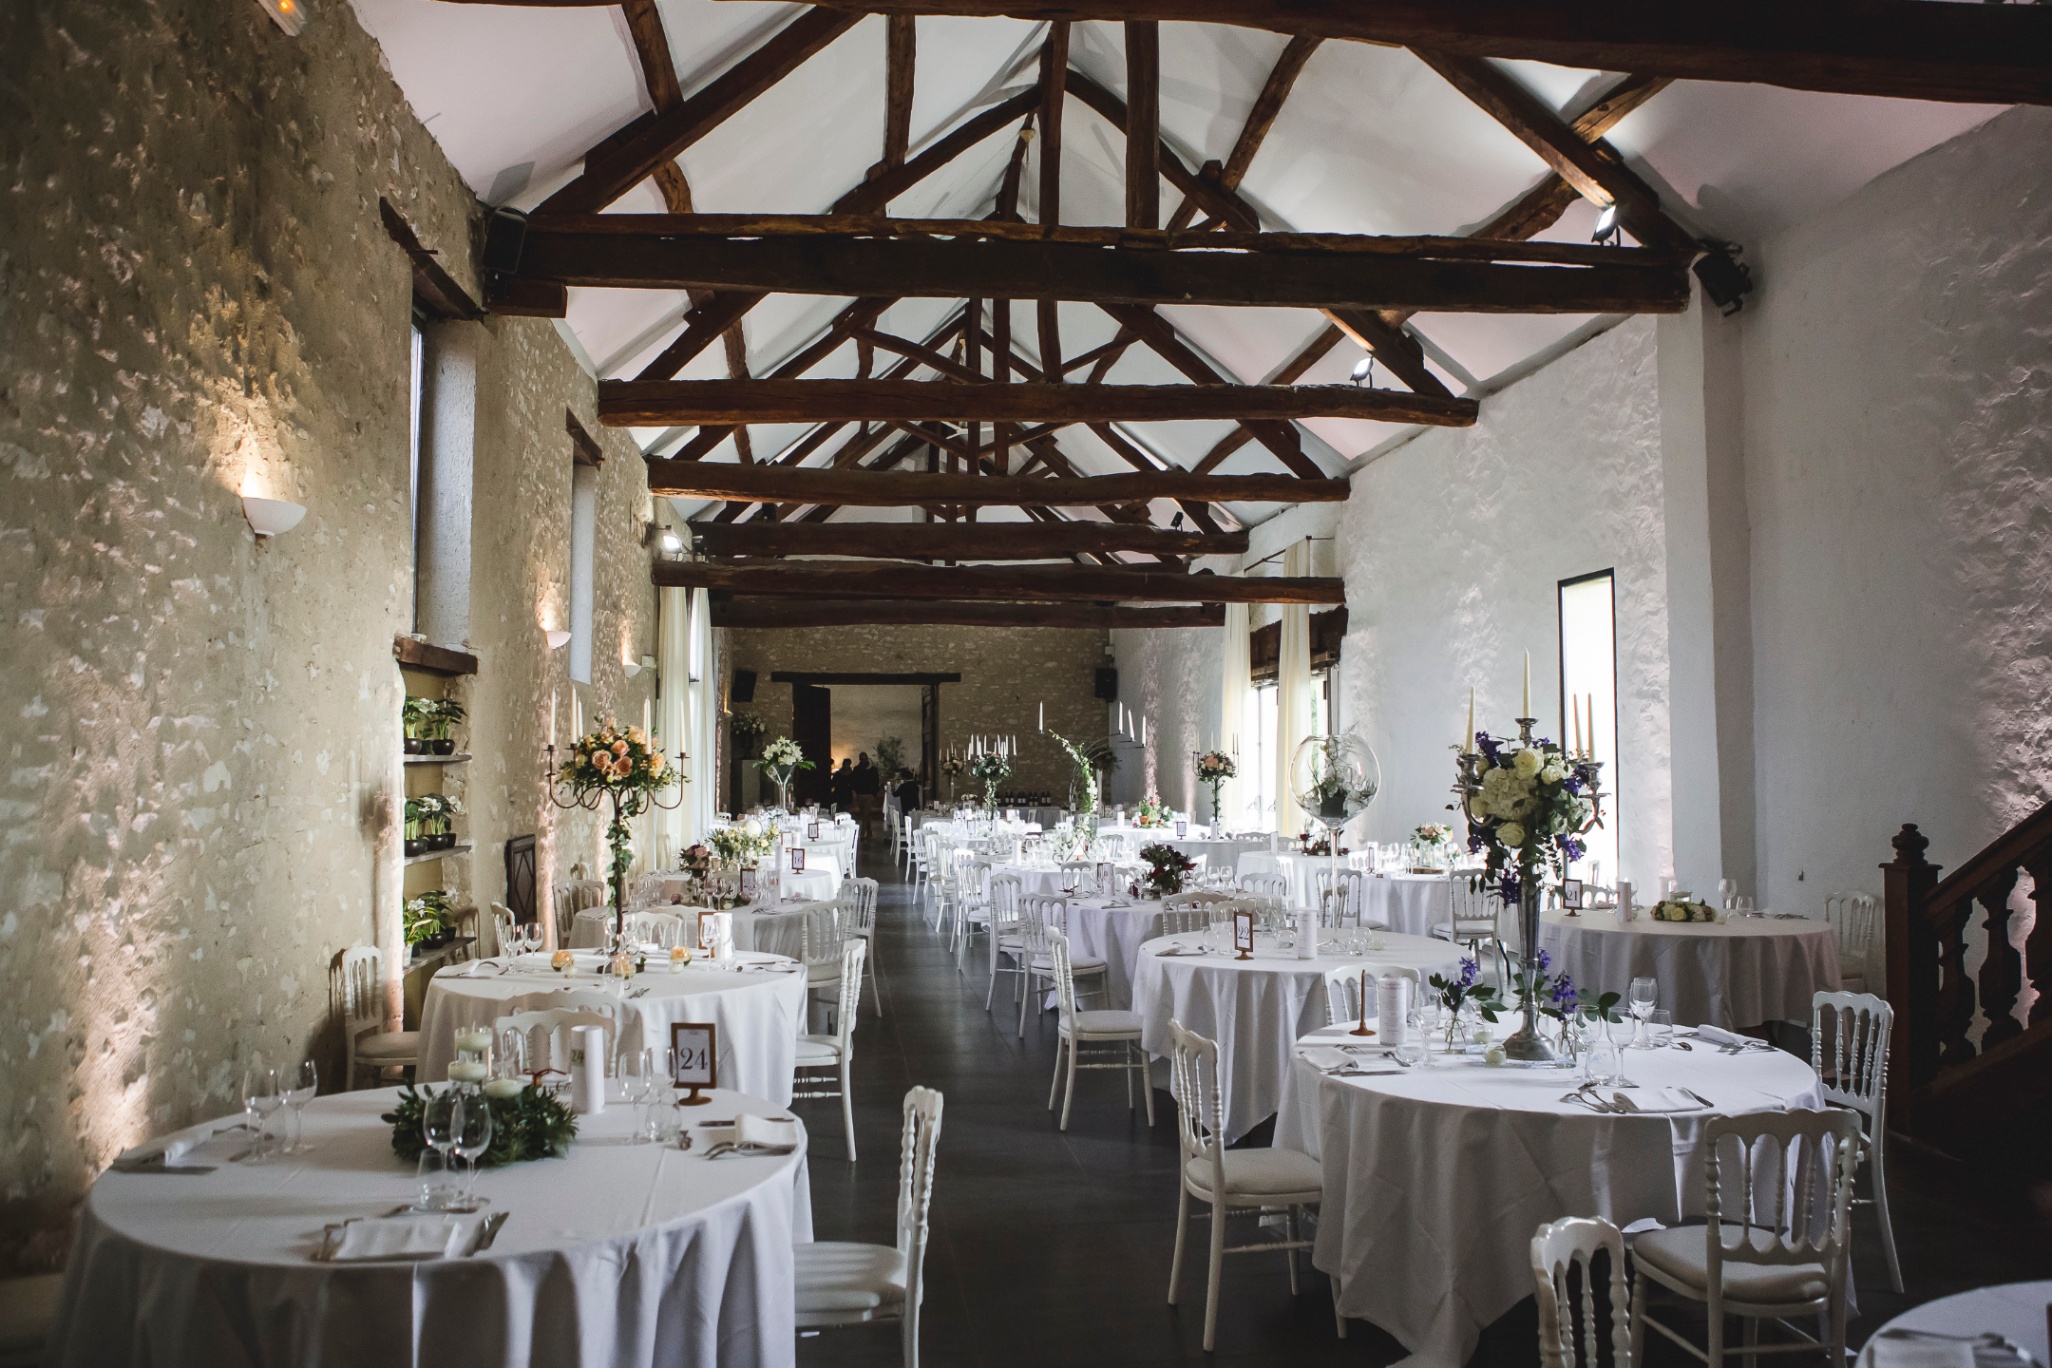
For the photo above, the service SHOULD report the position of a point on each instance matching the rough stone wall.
(1170, 676)
(1006, 674)
(197, 300)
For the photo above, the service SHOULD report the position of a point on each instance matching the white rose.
(751, 828)
(1511, 834)
(1478, 808)
(1528, 763)
(1553, 773)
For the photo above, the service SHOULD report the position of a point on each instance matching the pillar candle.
(1528, 686)
(1468, 736)
(644, 717)
(1576, 709)
(552, 719)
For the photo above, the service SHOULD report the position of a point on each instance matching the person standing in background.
(841, 787)
(867, 784)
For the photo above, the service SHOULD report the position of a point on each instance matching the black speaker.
(744, 686)
(1108, 684)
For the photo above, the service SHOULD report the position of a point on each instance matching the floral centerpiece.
(1433, 840)
(990, 769)
(1682, 907)
(1462, 990)
(530, 1124)
(696, 860)
(742, 844)
(780, 760)
(1153, 812)
(1083, 786)
(1213, 769)
(622, 766)
(1527, 804)
(1167, 867)
(953, 767)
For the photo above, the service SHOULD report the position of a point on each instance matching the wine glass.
(1641, 997)
(534, 936)
(1727, 889)
(300, 1087)
(440, 1122)
(652, 1095)
(470, 1137)
(261, 1096)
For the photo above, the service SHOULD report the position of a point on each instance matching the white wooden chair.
(1007, 947)
(822, 929)
(1345, 910)
(972, 902)
(1775, 1255)
(842, 1284)
(502, 930)
(660, 929)
(858, 896)
(356, 988)
(1094, 1031)
(1854, 918)
(1231, 1180)
(1272, 886)
(1343, 989)
(1472, 920)
(824, 1061)
(1558, 1251)
(579, 1007)
(1178, 920)
(1038, 915)
(1854, 1073)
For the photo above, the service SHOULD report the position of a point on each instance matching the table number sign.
(1243, 934)
(716, 934)
(798, 856)
(695, 1058)
(1106, 872)
(747, 885)
(1182, 829)
(1571, 895)
(812, 832)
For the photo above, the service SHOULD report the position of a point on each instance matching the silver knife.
(491, 1231)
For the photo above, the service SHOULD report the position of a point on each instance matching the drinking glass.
(1412, 1048)
(1602, 1063)
(1727, 889)
(300, 1087)
(439, 1123)
(471, 1136)
(653, 1093)
(1641, 997)
(1660, 1028)
(261, 1095)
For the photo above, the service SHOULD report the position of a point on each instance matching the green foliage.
(889, 755)
(427, 915)
(531, 1125)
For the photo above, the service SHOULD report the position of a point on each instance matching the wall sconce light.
(269, 517)
(289, 14)
(632, 667)
(557, 639)
(648, 662)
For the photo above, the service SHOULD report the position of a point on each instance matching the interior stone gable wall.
(200, 789)
(1006, 674)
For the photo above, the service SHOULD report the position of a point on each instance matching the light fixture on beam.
(289, 15)
(1364, 372)
(270, 517)
(1607, 229)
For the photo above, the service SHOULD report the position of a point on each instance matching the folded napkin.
(1717, 1035)
(415, 1235)
(174, 1147)
(1327, 1059)
(1657, 1100)
(761, 1134)
(1906, 1352)
(1175, 950)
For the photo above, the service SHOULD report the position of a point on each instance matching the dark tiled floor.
(1052, 1250)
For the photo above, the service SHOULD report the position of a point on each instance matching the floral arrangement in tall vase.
(780, 762)
(1083, 786)
(621, 766)
(990, 769)
(1213, 769)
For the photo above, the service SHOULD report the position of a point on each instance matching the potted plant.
(414, 843)
(427, 919)
(414, 716)
(447, 713)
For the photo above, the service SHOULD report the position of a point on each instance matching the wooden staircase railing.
(1945, 1086)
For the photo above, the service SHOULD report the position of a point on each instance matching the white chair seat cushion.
(818, 1049)
(829, 972)
(389, 1045)
(1105, 1021)
(836, 1278)
(1682, 1254)
(1263, 1174)
(1078, 964)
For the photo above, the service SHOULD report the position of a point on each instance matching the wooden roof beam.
(776, 613)
(985, 541)
(1043, 583)
(765, 483)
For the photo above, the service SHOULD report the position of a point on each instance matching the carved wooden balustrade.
(1945, 1083)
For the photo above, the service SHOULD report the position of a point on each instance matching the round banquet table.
(2018, 1311)
(814, 883)
(1735, 973)
(1411, 903)
(617, 1253)
(757, 1006)
(1113, 931)
(773, 928)
(1255, 1009)
(1435, 1178)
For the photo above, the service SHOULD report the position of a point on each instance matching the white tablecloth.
(2016, 1310)
(811, 884)
(1736, 973)
(1115, 935)
(773, 929)
(618, 1254)
(1411, 903)
(1436, 1178)
(758, 1011)
(1255, 1009)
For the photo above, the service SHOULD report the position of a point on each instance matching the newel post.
(1912, 950)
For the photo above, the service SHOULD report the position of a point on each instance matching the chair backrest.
(1193, 1080)
(1849, 1050)
(916, 1147)
(358, 990)
(1852, 917)
(1333, 908)
(1557, 1250)
(663, 929)
(1345, 908)
(502, 929)
(1064, 977)
(580, 1007)
(1276, 886)
(854, 953)
(1038, 914)
(1343, 988)
(859, 896)
(821, 933)
(1181, 919)
(1470, 903)
(1762, 1175)
(1004, 903)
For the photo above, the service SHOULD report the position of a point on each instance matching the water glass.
(1660, 1028)
(1602, 1061)
(1641, 997)
(1413, 1049)
(300, 1087)
(262, 1094)
(1727, 889)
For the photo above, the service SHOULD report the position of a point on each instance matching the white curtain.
(673, 717)
(704, 799)
(1232, 712)
(1293, 692)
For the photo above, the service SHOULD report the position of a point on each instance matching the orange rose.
(619, 748)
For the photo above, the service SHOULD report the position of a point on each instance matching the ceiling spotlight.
(1725, 278)
(1606, 225)
(1364, 371)
(289, 14)
(672, 542)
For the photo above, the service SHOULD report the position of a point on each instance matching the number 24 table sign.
(695, 1059)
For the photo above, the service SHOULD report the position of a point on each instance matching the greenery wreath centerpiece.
(1682, 907)
(531, 1124)
(1167, 868)
(743, 843)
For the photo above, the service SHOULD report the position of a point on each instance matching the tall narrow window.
(1588, 683)
(1266, 722)
(583, 545)
(413, 457)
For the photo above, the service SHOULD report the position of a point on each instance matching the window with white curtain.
(1257, 772)
(1588, 678)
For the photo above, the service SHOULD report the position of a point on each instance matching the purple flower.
(1543, 960)
(1469, 970)
(1573, 848)
(1563, 992)
(1509, 888)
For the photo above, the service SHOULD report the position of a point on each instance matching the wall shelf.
(441, 660)
(460, 848)
(456, 759)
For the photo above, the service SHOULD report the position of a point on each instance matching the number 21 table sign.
(695, 1058)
